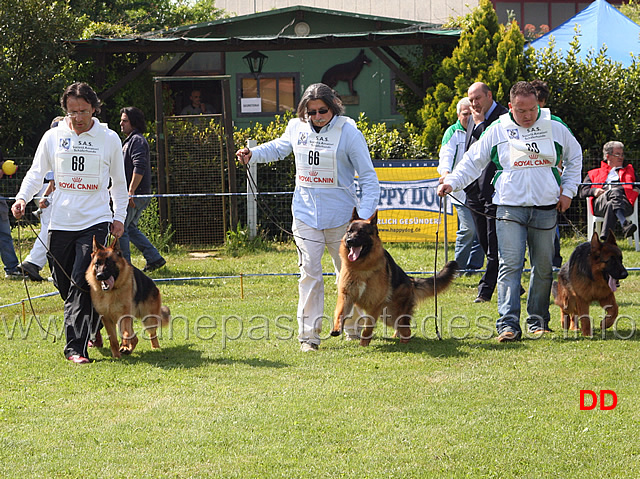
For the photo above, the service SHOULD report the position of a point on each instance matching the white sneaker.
(306, 347)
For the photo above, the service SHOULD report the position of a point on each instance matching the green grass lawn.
(229, 395)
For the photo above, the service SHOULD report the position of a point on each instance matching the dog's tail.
(424, 287)
(165, 316)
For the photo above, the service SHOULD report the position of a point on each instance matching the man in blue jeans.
(7, 250)
(527, 144)
(137, 168)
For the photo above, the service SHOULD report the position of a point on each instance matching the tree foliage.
(36, 64)
(631, 9)
(34, 67)
(141, 16)
(595, 96)
(487, 51)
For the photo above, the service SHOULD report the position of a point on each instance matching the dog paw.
(128, 345)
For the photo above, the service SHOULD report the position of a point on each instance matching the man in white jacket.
(527, 144)
(84, 155)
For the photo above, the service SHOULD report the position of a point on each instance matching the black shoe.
(31, 271)
(628, 228)
(155, 265)
(480, 299)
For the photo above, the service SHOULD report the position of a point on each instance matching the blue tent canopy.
(599, 24)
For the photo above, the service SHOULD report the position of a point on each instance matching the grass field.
(230, 395)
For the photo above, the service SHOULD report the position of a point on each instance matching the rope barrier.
(241, 276)
(276, 193)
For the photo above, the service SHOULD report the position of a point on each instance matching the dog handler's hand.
(116, 228)
(244, 155)
(563, 203)
(18, 209)
(444, 189)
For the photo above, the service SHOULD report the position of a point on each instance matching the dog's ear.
(611, 238)
(116, 245)
(96, 246)
(374, 218)
(354, 215)
(595, 243)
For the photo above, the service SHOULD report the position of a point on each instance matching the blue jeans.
(133, 234)
(468, 250)
(513, 239)
(7, 250)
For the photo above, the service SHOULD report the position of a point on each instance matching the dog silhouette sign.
(346, 72)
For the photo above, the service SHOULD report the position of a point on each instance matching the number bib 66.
(315, 153)
(78, 172)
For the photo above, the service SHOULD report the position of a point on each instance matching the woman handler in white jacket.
(329, 150)
(84, 155)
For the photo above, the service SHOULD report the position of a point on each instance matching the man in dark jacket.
(137, 169)
(479, 193)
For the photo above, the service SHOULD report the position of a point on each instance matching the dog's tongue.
(108, 284)
(613, 284)
(354, 253)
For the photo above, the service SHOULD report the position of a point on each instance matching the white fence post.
(252, 200)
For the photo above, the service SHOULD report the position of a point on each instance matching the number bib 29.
(531, 147)
(315, 153)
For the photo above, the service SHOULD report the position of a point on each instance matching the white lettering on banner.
(410, 195)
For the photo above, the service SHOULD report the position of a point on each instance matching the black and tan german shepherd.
(591, 274)
(371, 280)
(120, 292)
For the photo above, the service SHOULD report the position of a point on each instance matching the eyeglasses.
(617, 155)
(321, 111)
(73, 114)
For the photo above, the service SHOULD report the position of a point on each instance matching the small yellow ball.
(9, 167)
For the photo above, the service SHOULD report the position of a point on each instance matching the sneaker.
(480, 299)
(540, 332)
(628, 228)
(30, 270)
(77, 359)
(16, 274)
(507, 337)
(307, 347)
(155, 265)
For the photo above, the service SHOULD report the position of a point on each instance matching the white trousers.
(311, 243)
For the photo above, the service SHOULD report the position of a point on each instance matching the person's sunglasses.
(321, 111)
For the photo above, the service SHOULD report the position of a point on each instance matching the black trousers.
(70, 256)
(606, 205)
(486, 231)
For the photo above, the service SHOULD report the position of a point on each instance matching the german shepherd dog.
(120, 291)
(371, 280)
(591, 274)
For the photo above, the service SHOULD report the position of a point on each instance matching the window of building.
(267, 93)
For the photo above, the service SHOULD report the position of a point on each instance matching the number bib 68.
(78, 172)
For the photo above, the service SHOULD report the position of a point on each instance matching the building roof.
(227, 35)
